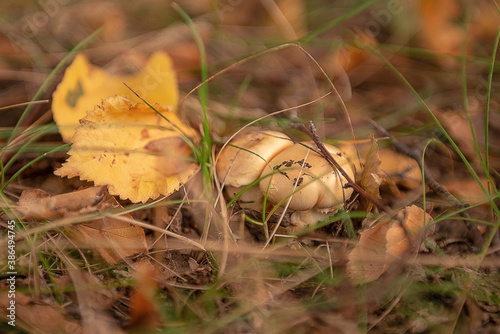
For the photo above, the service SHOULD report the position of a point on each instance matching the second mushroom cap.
(242, 162)
(308, 176)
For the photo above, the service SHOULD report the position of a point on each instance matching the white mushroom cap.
(249, 154)
(316, 183)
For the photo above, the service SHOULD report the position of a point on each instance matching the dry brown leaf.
(458, 127)
(399, 169)
(438, 32)
(406, 234)
(367, 259)
(468, 190)
(114, 239)
(73, 23)
(36, 204)
(288, 16)
(143, 306)
(84, 86)
(36, 317)
(350, 56)
(373, 175)
(93, 302)
(132, 149)
(387, 242)
(484, 22)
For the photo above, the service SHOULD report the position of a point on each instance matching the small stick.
(350, 182)
(477, 238)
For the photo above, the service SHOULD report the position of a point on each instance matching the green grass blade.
(487, 106)
(463, 76)
(61, 148)
(206, 150)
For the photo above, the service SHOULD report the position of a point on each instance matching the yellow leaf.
(130, 148)
(84, 86)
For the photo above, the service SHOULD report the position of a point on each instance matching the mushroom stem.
(311, 132)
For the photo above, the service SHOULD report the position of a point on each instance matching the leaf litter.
(112, 238)
(126, 153)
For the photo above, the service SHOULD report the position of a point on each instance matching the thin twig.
(327, 155)
(476, 236)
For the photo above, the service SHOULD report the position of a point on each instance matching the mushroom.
(283, 170)
(306, 176)
(300, 220)
(243, 160)
(251, 198)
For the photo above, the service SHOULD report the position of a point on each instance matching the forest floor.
(421, 76)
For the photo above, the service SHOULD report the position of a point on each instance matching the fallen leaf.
(350, 56)
(143, 305)
(367, 259)
(398, 168)
(438, 30)
(84, 86)
(173, 155)
(36, 317)
(406, 234)
(36, 204)
(287, 16)
(458, 127)
(130, 148)
(385, 243)
(114, 239)
(468, 190)
(73, 22)
(484, 23)
(373, 175)
(94, 301)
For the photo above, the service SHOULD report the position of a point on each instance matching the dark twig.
(476, 236)
(350, 182)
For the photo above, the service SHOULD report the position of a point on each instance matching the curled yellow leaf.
(130, 148)
(84, 86)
